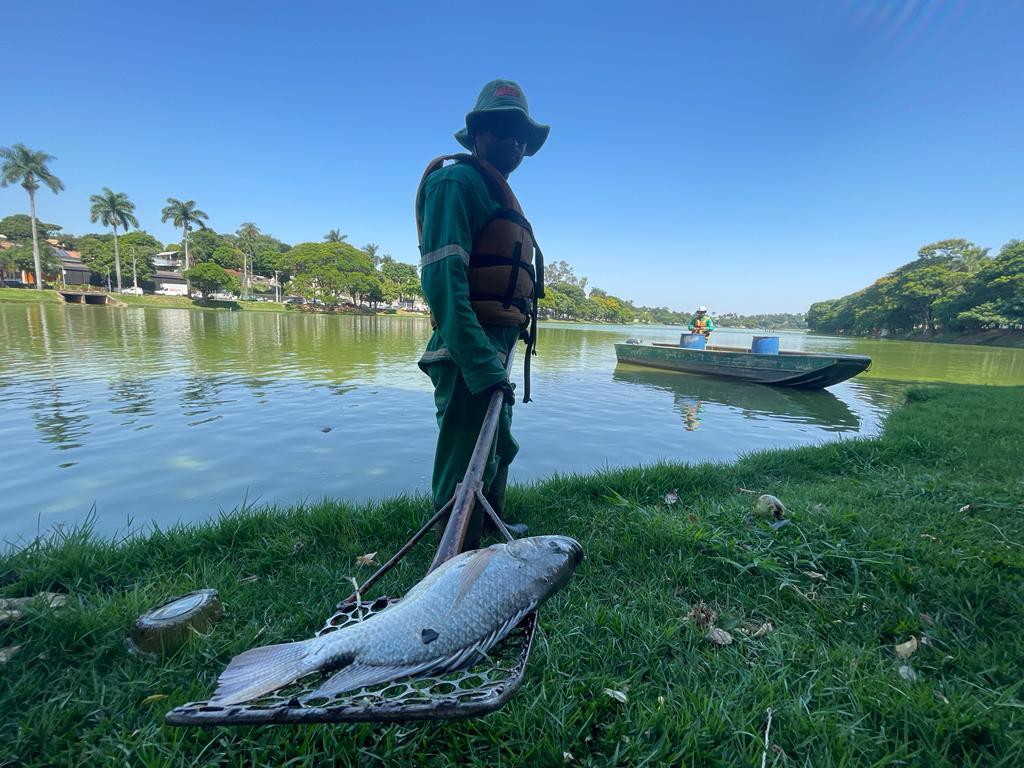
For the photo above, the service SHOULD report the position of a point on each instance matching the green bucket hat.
(504, 96)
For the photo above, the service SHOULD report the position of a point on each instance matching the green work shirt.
(453, 206)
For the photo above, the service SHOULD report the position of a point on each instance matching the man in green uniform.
(702, 322)
(460, 219)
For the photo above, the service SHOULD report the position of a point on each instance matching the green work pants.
(460, 415)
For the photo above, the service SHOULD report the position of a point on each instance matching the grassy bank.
(28, 296)
(20, 296)
(918, 533)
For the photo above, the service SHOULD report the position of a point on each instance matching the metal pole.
(466, 493)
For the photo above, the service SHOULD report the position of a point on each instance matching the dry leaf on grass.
(8, 652)
(370, 558)
(672, 496)
(780, 523)
(661, 701)
(703, 615)
(815, 575)
(619, 696)
(765, 629)
(929, 537)
(907, 649)
(939, 695)
(965, 508)
(567, 757)
(907, 673)
(718, 636)
(248, 579)
(154, 698)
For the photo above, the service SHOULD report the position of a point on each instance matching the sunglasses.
(503, 128)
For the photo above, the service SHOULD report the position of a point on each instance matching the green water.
(133, 415)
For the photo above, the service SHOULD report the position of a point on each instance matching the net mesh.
(477, 690)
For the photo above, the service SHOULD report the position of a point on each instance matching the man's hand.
(506, 387)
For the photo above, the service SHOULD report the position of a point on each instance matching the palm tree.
(248, 233)
(113, 209)
(335, 236)
(184, 215)
(24, 165)
(371, 250)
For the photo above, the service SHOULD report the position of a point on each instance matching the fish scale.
(456, 613)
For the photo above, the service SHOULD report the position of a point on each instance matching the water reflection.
(61, 422)
(132, 397)
(754, 401)
(219, 407)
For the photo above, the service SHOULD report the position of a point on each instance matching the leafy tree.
(98, 253)
(324, 271)
(210, 278)
(29, 168)
(113, 209)
(401, 278)
(228, 256)
(952, 285)
(22, 257)
(185, 216)
(204, 243)
(18, 226)
(335, 236)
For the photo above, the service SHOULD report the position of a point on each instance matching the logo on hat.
(508, 90)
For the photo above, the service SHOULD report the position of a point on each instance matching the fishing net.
(471, 692)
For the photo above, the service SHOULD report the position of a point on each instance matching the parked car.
(133, 291)
(11, 283)
(168, 292)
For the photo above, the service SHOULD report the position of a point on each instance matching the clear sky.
(749, 156)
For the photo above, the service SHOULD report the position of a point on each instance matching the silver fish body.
(448, 620)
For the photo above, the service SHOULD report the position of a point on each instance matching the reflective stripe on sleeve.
(443, 253)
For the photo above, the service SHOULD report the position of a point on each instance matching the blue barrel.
(693, 341)
(765, 345)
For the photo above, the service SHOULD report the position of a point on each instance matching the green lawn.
(28, 296)
(919, 533)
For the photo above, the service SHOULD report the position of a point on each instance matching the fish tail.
(259, 671)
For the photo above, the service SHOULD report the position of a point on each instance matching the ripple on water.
(168, 415)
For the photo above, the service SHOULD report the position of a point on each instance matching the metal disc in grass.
(167, 626)
(470, 692)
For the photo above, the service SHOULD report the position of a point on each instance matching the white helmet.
(702, 308)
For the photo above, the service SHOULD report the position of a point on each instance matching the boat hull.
(787, 369)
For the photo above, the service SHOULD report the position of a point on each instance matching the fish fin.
(259, 671)
(356, 676)
(471, 573)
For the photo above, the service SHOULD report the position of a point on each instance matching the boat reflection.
(819, 408)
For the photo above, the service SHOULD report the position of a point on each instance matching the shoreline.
(914, 533)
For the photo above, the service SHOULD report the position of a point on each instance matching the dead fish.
(448, 620)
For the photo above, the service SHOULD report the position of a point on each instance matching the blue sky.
(749, 156)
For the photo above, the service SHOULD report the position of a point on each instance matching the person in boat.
(702, 322)
(479, 280)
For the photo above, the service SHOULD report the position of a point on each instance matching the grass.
(919, 532)
(28, 296)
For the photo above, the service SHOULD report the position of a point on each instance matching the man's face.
(500, 139)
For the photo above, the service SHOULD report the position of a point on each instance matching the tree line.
(953, 286)
(324, 272)
(566, 298)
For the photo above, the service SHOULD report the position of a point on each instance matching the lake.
(133, 415)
